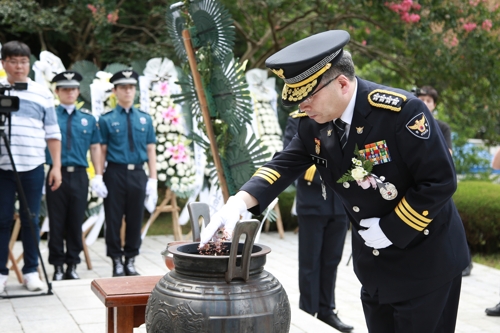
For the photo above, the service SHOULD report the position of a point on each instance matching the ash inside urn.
(217, 248)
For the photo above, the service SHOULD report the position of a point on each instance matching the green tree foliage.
(449, 44)
(102, 31)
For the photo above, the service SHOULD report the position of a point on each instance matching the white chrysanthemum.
(164, 165)
(170, 172)
(180, 173)
(152, 105)
(174, 180)
(174, 187)
(167, 153)
(157, 99)
(160, 148)
(160, 158)
(162, 177)
(168, 144)
(161, 129)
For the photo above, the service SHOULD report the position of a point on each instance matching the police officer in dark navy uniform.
(66, 206)
(128, 140)
(322, 229)
(379, 149)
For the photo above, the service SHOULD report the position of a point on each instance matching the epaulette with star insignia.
(87, 111)
(297, 114)
(386, 99)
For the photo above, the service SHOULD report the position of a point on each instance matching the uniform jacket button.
(426, 232)
(346, 184)
(375, 253)
(355, 208)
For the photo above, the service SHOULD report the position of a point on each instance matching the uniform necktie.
(340, 129)
(68, 130)
(129, 130)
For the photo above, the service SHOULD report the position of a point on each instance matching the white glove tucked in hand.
(152, 186)
(99, 187)
(226, 217)
(374, 236)
(151, 195)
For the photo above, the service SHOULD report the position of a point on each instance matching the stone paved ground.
(74, 308)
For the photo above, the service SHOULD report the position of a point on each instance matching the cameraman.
(33, 128)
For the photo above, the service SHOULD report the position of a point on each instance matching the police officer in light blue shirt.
(128, 140)
(66, 205)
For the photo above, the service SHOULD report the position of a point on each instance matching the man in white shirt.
(33, 128)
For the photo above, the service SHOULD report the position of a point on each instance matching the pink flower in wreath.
(178, 153)
(169, 113)
(163, 88)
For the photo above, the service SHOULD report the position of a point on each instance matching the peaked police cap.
(302, 64)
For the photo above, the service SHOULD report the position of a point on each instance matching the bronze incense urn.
(226, 293)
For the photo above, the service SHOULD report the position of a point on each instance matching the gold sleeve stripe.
(405, 220)
(409, 217)
(267, 174)
(309, 175)
(413, 212)
(274, 172)
(271, 181)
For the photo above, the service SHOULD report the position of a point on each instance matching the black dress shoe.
(71, 273)
(118, 269)
(129, 267)
(334, 321)
(467, 270)
(58, 273)
(494, 311)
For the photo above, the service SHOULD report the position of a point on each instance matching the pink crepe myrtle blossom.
(487, 25)
(469, 26)
(92, 8)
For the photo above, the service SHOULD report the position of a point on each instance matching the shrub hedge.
(478, 203)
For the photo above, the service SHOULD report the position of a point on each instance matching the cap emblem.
(279, 72)
(127, 74)
(69, 76)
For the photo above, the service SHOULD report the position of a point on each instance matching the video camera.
(10, 103)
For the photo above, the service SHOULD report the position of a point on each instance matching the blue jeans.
(32, 183)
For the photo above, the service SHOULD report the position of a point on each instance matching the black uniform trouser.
(66, 209)
(321, 242)
(126, 194)
(435, 312)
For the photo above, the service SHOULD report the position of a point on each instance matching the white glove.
(226, 217)
(374, 236)
(99, 187)
(150, 203)
(152, 187)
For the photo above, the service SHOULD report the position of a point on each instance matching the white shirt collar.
(69, 108)
(349, 111)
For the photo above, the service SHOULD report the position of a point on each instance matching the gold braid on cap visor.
(298, 91)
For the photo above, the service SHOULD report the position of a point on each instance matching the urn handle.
(197, 210)
(249, 228)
